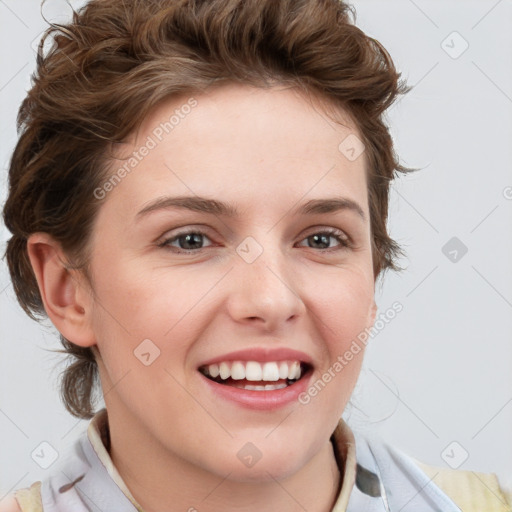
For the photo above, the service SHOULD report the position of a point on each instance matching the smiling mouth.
(256, 376)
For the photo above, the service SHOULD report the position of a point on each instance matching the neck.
(160, 480)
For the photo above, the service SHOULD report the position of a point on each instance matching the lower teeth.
(266, 387)
(253, 387)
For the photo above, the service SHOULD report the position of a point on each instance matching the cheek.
(133, 304)
(341, 312)
(342, 307)
(140, 300)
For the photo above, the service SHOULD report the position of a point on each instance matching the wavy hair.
(106, 69)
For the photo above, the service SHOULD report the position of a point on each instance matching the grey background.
(437, 380)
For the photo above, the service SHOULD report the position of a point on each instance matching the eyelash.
(344, 241)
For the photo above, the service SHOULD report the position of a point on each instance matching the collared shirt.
(375, 478)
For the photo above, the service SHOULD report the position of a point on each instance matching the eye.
(192, 241)
(188, 241)
(324, 237)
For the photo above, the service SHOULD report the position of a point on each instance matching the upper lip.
(262, 355)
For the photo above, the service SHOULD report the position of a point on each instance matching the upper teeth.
(254, 371)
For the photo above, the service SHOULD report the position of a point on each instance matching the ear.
(67, 300)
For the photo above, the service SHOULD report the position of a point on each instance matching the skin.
(173, 440)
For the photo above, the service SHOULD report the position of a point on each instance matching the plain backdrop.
(437, 379)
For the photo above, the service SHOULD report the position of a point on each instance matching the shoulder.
(23, 500)
(10, 504)
(470, 490)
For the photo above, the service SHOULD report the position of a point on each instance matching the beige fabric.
(345, 450)
(471, 491)
(506, 487)
(29, 499)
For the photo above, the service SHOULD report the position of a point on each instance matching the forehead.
(243, 141)
(239, 106)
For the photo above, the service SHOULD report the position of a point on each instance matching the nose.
(265, 292)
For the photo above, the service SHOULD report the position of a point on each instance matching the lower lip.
(260, 400)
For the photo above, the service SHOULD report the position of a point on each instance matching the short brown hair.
(117, 59)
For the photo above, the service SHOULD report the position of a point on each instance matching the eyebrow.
(215, 207)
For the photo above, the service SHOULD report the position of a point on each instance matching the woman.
(198, 202)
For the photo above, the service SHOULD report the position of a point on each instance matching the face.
(185, 289)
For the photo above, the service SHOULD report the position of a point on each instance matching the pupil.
(191, 239)
(324, 239)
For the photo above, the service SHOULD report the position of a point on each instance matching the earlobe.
(62, 290)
